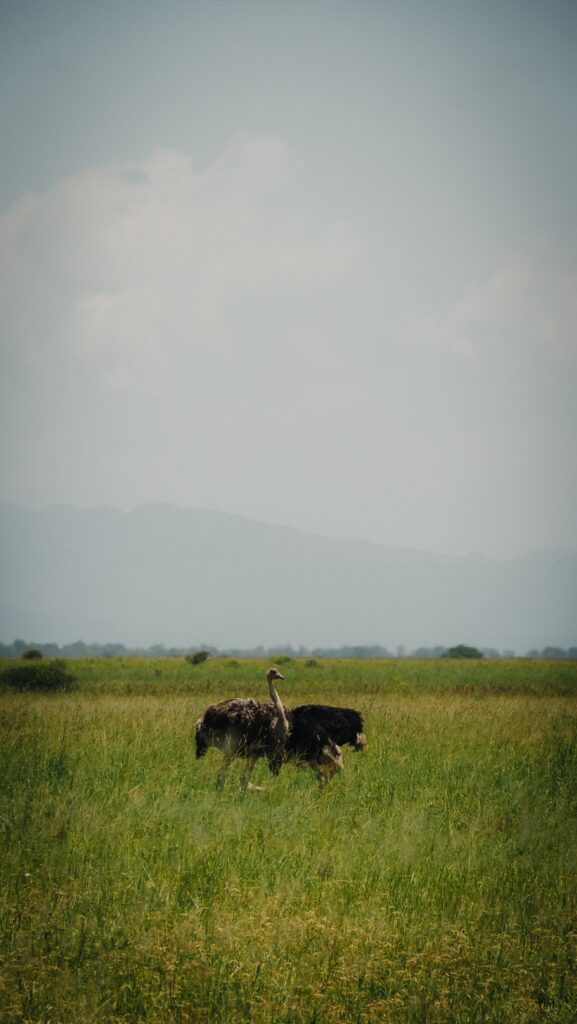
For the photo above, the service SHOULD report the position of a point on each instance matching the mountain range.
(181, 576)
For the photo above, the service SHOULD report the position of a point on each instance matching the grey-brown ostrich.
(243, 728)
(252, 729)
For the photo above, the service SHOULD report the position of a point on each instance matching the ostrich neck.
(278, 705)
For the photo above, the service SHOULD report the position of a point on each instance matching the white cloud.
(129, 266)
(525, 309)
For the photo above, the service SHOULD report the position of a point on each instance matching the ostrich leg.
(331, 763)
(227, 760)
(245, 782)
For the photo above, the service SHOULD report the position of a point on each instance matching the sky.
(314, 263)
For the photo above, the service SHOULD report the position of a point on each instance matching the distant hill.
(178, 576)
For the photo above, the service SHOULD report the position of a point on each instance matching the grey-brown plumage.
(243, 728)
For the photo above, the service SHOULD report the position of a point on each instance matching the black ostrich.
(319, 726)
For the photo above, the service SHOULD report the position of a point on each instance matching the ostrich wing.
(343, 725)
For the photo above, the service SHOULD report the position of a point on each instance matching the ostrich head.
(273, 673)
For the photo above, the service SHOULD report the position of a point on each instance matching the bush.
(45, 677)
(32, 655)
(198, 657)
(462, 651)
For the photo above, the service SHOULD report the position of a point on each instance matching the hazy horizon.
(259, 520)
(312, 264)
(183, 577)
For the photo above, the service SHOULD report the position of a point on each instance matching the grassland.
(434, 881)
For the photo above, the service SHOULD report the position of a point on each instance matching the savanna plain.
(434, 880)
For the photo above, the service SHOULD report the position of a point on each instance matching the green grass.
(433, 881)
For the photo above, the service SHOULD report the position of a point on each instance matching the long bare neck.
(285, 728)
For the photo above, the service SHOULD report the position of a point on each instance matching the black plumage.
(344, 725)
(316, 734)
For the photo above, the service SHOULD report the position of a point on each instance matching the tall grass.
(433, 881)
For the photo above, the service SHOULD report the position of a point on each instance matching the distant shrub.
(311, 663)
(232, 663)
(281, 659)
(198, 657)
(45, 677)
(32, 655)
(462, 651)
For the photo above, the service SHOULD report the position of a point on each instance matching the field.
(433, 881)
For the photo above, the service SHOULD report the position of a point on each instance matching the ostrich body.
(244, 728)
(344, 725)
(317, 732)
(308, 745)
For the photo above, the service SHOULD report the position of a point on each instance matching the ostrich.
(319, 725)
(252, 729)
(243, 728)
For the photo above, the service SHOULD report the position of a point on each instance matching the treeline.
(80, 649)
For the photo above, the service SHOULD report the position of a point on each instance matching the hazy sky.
(310, 262)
